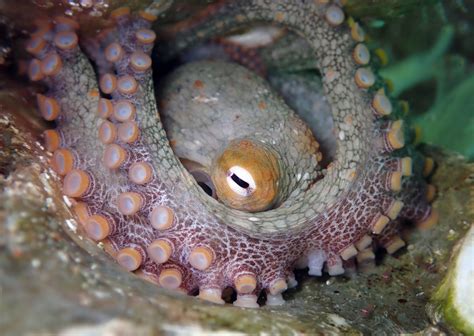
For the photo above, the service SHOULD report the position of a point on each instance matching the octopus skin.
(132, 194)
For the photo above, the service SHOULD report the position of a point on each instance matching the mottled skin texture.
(322, 223)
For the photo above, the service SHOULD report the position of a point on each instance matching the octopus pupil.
(359, 211)
(206, 188)
(241, 183)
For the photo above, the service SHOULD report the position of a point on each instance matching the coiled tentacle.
(133, 194)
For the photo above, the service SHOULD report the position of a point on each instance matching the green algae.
(420, 67)
(452, 113)
(453, 102)
(430, 49)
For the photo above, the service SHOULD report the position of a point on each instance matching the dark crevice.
(207, 189)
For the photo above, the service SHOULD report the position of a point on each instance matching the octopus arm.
(131, 193)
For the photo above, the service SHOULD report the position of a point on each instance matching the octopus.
(218, 183)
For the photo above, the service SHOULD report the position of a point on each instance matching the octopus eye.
(246, 176)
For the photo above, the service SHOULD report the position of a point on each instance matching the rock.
(454, 298)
